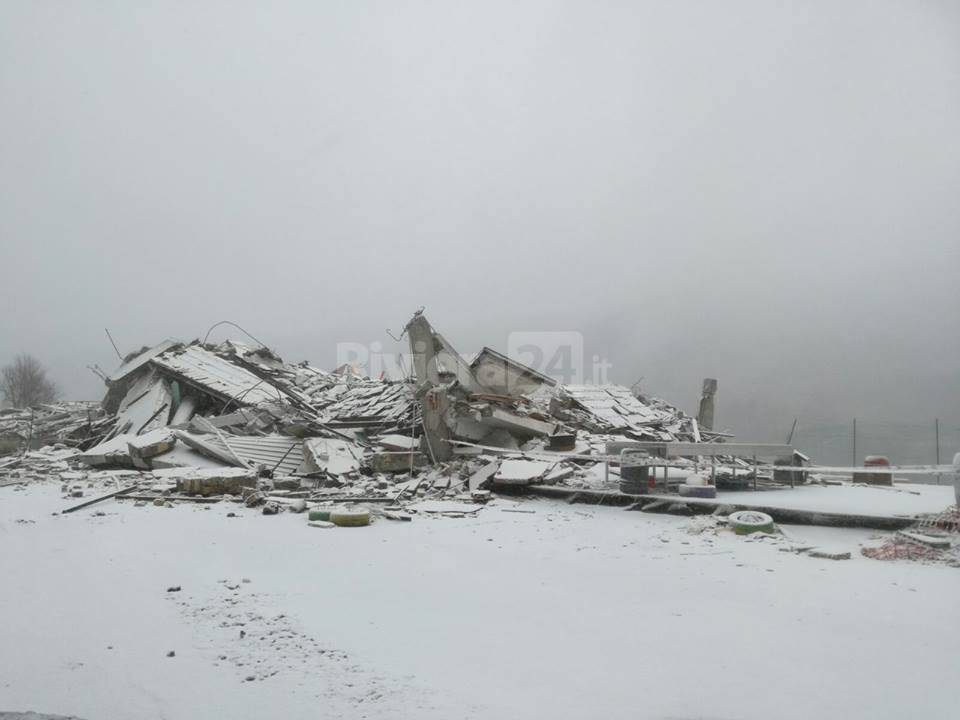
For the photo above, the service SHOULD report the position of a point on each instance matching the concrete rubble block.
(521, 426)
(143, 448)
(394, 462)
(223, 481)
(500, 438)
(290, 483)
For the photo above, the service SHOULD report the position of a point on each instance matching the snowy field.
(570, 611)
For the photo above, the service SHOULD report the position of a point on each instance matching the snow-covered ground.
(570, 611)
(899, 499)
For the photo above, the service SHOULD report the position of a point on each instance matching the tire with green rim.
(750, 521)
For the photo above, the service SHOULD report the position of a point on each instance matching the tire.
(350, 518)
(750, 521)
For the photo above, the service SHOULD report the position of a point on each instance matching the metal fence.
(905, 443)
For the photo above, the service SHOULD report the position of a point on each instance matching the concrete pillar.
(705, 416)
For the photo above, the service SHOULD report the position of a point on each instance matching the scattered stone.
(173, 588)
(171, 654)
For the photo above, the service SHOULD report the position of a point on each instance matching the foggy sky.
(763, 192)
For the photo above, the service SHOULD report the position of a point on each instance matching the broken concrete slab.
(483, 476)
(521, 472)
(558, 473)
(111, 453)
(330, 455)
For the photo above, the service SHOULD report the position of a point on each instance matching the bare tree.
(25, 383)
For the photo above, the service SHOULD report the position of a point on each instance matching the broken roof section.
(214, 375)
(141, 359)
(615, 409)
(505, 376)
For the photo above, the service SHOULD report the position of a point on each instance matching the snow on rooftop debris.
(215, 375)
(452, 431)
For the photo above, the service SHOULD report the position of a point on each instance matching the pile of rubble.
(934, 538)
(67, 423)
(200, 413)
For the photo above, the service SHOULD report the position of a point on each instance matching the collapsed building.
(456, 426)
(203, 422)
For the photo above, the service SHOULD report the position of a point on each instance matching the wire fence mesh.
(904, 443)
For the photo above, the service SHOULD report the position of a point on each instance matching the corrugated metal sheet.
(217, 376)
(274, 451)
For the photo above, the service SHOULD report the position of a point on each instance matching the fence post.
(936, 425)
(854, 463)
